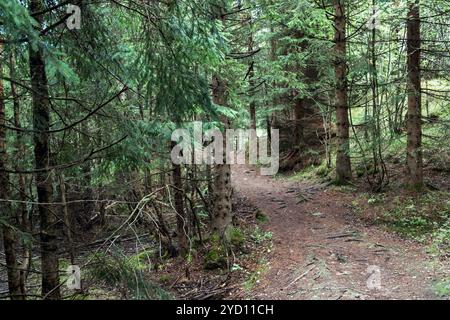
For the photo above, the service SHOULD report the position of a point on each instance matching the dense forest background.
(359, 90)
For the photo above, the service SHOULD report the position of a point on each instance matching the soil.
(321, 250)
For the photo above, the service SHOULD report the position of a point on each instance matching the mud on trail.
(322, 251)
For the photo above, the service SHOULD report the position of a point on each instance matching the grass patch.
(422, 217)
(419, 218)
(255, 276)
(313, 172)
(442, 288)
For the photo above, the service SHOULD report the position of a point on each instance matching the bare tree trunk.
(9, 235)
(19, 154)
(343, 164)
(251, 81)
(298, 124)
(67, 220)
(222, 190)
(182, 223)
(414, 119)
(222, 215)
(44, 179)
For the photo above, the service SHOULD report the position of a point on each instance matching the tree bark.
(182, 221)
(222, 190)
(414, 117)
(44, 179)
(222, 215)
(343, 164)
(298, 125)
(23, 215)
(251, 81)
(67, 220)
(9, 235)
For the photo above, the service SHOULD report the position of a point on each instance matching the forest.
(224, 150)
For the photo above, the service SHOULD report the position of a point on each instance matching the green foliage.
(236, 237)
(117, 270)
(254, 277)
(420, 218)
(440, 247)
(259, 236)
(442, 288)
(16, 22)
(216, 256)
(261, 217)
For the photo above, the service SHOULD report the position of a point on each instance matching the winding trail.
(322, 251)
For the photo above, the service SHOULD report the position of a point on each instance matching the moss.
(215, 258)
(236, 237)
(165, 278)
(261, 217)
(141, 260)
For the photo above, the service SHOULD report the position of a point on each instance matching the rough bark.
(298, 128)
(414, 117)
(23, 215)
(182, 221)
(222, 190)
(343, 164)
(44, 179)
(9, 235)
(251, 82)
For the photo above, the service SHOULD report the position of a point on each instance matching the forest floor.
(321, 249)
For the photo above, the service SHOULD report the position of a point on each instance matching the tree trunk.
(222, 190)
(298, 125)
(44, 179)
(23, 215)
(251, 82)
(9, 235)
(343, 164)
(414, 118)
(222, 215)
(182, 223)
(67, 220)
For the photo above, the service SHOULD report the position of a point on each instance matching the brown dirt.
(322, 251)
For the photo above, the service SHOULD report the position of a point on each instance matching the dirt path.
(321, 251)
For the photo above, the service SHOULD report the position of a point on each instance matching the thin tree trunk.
(9, 235)
(67, 220)
(19, 154)
(414, 119)
(182, 221)
(343, 164)
(298, 125)
(44, 179)
(251, 82)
